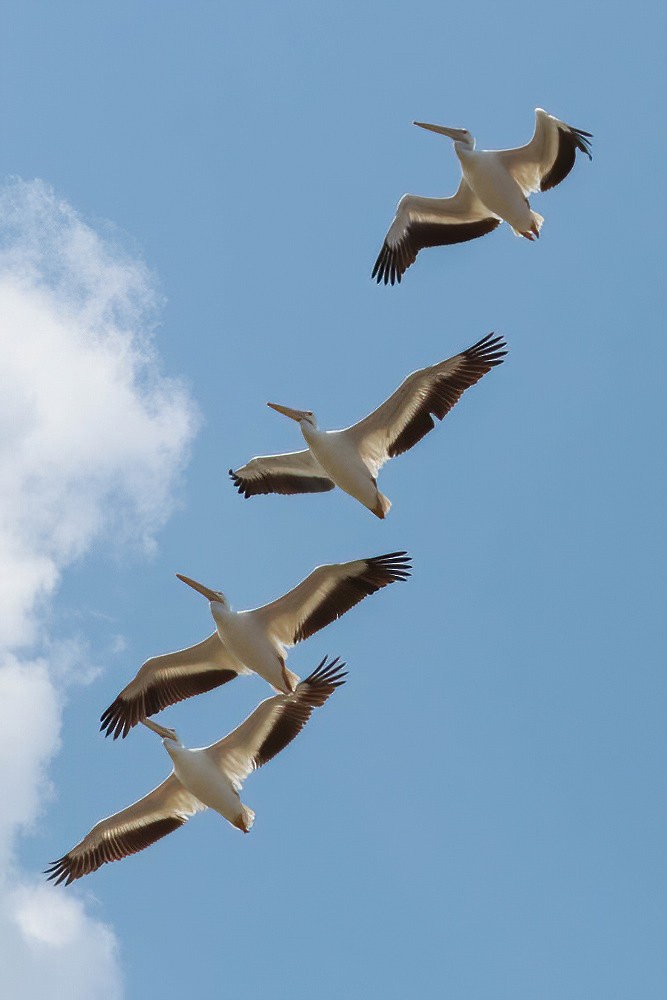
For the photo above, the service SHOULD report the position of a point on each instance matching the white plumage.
(494, 187)
(251, 641)
(351, 458)
(206, 777)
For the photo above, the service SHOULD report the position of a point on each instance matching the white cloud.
(53, 948)
(30, 709)
(119, 644)
(92, 439)
(90, 431)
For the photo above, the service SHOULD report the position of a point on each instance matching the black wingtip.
(114, 723)
(386, 270)
(582, 142)
(241, 487)
(570, 140)
(59, 871)
(397, 564)
(329, 674)
(491, 349)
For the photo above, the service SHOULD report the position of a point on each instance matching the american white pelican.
(209, 776)
(351, 458)
(494, 187)
(251, 641)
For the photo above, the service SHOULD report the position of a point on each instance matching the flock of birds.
(494, 187)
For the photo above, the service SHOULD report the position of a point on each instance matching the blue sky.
(479, 812)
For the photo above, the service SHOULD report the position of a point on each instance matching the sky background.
(192, 198)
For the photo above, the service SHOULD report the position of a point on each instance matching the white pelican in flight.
(494, 188)
(209, 776)
(250, 641)
(351, 458)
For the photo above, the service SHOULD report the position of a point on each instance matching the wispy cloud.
(92, 440)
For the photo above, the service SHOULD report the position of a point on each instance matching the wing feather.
(295, 472)
(430, 222)
(549, 156)
(167, 679)
(403, 419)
(275, 723)
(149, 819)
(327, 593)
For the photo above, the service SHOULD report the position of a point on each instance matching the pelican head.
(214, 596)
(173, 747)
(461, 135)
(301, 416)
(169, 736)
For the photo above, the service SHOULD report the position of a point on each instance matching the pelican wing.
(430, 222)
(275, 723)
(296, 472)
(403, 419)
(549, 156)
(164, 680)
(327, 594)
(164, 809)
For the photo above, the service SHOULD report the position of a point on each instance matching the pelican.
(494, 188)
(250, 641)
(351, 458)
(205, 777)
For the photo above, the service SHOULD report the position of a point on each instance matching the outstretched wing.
(164, 809)
(275, 723)
(164, 680)
(430, 222)
(296, 472)
(327, 594)
(549, 156)
(403, 419)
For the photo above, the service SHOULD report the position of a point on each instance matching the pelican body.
(197, 771)
(494, 187)
(255, 641)
(336, 453)
(351, 458)
(206, 777)
(247, 644)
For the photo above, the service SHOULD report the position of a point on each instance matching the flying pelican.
(250, 641)
(209, 776)
(494, 187)
(351, 458)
